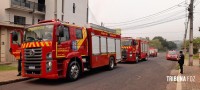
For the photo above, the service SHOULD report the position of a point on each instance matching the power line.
(160, 20)
(172, 14)
(166, 10)
(153, 23)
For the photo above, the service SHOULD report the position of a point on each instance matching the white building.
(72, 11)
(18, 13)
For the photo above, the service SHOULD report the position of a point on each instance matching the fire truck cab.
(129, 50)
(53, 49)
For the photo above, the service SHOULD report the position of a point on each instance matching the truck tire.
(73, 71)
(146, 59)
(137, 59)
(111, 63)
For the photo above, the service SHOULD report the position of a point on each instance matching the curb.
(179, 85)
(13, 81)
(6, 63)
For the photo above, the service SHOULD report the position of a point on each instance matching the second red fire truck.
(134, 50)
(53, 49)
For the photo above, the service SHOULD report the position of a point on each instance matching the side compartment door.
(15, 46)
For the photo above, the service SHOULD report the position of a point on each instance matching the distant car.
(172, 55)
(153, 52)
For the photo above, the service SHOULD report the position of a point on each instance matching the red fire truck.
(153, 52)
(129, 50)
(53, 49)
(142, 48)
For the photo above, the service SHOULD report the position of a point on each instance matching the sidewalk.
(191, 71)
(10, 76)
(188, 71)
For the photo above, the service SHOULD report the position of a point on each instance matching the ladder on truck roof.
(91, 25)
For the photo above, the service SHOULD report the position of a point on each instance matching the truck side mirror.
(14, 36)
(60, 32)
(134, 43)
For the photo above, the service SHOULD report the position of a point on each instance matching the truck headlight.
(49, 66)
(130, 55)
(49, 55)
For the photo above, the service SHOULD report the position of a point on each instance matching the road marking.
(138, 77)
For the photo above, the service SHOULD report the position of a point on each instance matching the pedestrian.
(181, 61)
(19, 67)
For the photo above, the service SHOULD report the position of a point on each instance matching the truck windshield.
(38, 33)
(126, 42)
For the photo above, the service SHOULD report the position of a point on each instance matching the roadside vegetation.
(162, 44)
(7, 67)
(195, 57)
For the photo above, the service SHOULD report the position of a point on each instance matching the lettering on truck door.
(64, 46)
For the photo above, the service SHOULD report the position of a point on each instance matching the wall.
(50, 9)
(55, 7)
(80, 15)
(5, 55)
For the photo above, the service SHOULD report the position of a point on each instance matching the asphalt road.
(145, 75)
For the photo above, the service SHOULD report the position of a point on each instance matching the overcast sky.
(115, 11)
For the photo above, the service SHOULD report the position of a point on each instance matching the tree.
(162, 40)
(171, 45)
(196, 44)
(164, 43)
(156, 43)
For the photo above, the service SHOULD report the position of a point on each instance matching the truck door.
(15, 46)
(64, 45)
(81, 39)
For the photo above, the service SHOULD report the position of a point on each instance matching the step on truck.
(53, 49)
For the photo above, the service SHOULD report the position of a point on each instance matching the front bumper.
(171, 58)
(39, 71)
(129, 58)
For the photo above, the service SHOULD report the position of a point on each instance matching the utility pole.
(191, 33)
(186, 29)
(185, 36)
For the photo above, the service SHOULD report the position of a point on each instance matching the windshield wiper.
(39, 39)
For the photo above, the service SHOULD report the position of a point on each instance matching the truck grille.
(33, 58)
(33, 54)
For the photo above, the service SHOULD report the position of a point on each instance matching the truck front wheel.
(111, 63)
(73, 72)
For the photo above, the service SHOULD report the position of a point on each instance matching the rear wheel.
(146, 58)
(111, 63)
(137, 59)
(74, 71)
